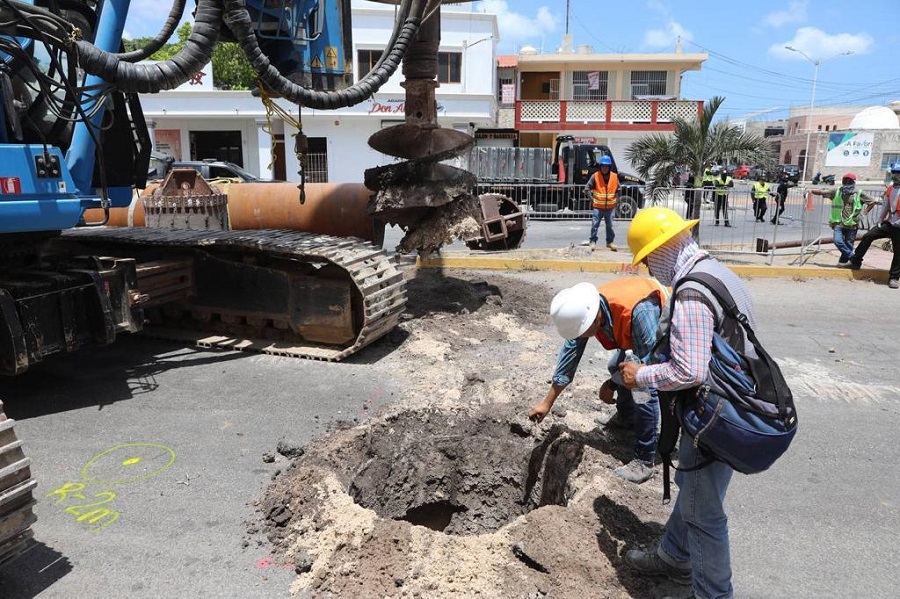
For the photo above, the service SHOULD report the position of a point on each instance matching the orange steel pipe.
(337, 209)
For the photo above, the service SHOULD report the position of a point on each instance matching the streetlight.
(812, 102)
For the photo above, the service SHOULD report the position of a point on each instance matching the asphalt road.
(168, 446)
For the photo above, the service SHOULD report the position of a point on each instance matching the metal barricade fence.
(802, 221)
(559, 201)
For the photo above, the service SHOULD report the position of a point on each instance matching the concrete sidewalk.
(818, 265)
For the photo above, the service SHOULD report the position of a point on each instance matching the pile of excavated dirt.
(451, 491)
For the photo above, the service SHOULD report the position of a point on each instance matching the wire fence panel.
(799, 225)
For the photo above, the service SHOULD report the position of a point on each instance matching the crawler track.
(377, 296)
(16, 486)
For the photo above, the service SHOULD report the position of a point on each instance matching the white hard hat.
(574, 309)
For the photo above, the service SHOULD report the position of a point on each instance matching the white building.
(196, 121)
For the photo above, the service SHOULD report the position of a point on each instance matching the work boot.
(894, 284)
(635, 471)
(614, 422)
(592, 245)
(727, 224)
(854, 264)
(612, 246)
(648, 561)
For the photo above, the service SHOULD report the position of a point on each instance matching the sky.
(748, 63)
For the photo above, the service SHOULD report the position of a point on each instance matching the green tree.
(696, 144)
(231, 69)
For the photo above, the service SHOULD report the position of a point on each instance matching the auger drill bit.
(432, 202)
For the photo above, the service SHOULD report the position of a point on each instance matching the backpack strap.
(763, 376)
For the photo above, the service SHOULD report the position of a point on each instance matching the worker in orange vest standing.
(604, 189)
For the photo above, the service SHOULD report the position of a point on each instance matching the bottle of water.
(640, 395)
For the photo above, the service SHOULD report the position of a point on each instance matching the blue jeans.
(645, 416)
(697, 530)
(606, 215)
(844, 239)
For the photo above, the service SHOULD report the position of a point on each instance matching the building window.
(317, 160)
(648, 83)
(365, 60)
(449, 67)
(506, 91)
(888, 158)
(589, 85)
(820, 127)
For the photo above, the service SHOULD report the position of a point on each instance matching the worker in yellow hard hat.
(694, 548)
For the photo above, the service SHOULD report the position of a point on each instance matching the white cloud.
(146, 17)
(794, 13)
(515, 26)
(819, 45)
(667, 36)
(662, 38)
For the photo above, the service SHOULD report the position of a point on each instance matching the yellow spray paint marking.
(123, 464)
(116, 465)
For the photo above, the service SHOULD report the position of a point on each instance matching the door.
(218, 145)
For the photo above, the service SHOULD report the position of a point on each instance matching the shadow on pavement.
(33, 572)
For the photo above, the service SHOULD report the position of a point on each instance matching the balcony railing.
(609, 114)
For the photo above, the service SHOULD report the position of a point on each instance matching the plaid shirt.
(690, 345)
(644, 322)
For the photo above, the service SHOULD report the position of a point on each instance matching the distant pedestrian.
(888, 226)
(761, 191)
(723, 183)
(691, 196)
(846, 205)
(603, 186)
(781, 193)
(709, 182)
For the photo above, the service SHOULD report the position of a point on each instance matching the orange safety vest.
(604, 192)
(622, 295)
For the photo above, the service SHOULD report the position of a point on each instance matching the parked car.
(760, 173)
(216, 169)
(160, 165)
(741, 172)
(791, 171)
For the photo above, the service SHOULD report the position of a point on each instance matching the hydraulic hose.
(161, 38)
(168, 74)
(239, 22)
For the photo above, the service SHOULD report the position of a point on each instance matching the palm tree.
(696, 144)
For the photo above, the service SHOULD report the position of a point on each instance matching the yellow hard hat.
(652, 227)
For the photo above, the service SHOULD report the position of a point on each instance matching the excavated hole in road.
(457, 473)
(460, 472)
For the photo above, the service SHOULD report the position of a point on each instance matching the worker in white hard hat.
(621, 315)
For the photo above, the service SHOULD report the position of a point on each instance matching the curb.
(497, 262)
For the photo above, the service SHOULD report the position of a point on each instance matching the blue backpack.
(744, 415)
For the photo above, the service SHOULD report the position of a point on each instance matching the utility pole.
(812, 102)
(567, 17)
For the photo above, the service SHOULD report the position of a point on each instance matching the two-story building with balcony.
(609, 99)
